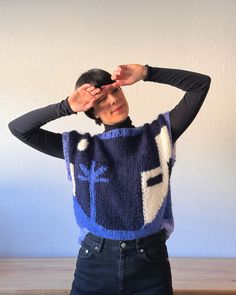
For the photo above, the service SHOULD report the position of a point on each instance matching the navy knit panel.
(123, 193)
(114, 173)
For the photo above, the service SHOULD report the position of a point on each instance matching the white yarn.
(72, 173)
(82, 145)
(154, 196)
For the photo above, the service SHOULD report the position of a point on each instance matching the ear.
(95, 115)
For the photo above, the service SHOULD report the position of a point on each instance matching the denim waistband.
(99, 242)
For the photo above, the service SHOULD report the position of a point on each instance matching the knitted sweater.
(121, 179)
(149, 219)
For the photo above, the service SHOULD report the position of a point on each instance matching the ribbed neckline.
(127, 123)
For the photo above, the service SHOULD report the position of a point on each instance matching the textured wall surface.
(46, 45)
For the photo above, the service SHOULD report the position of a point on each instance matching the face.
(112, 108)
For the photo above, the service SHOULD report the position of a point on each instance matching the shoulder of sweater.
(116, 131)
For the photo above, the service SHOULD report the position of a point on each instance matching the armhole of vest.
(70, 142)
(66, 152)
(166, 116)
(155, 125)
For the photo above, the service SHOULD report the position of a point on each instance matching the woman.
(121, 177)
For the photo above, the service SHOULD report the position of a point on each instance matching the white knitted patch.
(82, 145)
(154, 196)
(72, 173)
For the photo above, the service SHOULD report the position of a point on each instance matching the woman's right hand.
(83, 98)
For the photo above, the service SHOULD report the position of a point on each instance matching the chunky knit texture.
(121, 179)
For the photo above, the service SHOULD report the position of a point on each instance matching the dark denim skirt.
(133, 267)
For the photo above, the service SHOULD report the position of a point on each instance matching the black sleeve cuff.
(68, 108)
(149, 73)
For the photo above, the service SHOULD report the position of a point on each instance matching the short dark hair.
(97, 78)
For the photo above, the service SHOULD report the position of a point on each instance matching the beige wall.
(44, 47)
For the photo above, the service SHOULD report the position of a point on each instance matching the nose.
(113, 99)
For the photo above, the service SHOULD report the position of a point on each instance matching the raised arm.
(194, 84)
(27, 128)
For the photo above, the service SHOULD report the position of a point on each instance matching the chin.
(122, 119)
(118, 119)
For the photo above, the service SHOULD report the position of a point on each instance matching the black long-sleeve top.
(28, 129)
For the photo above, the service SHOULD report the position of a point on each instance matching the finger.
(117, 71)
(115, 77)
(116, 74)
(107, 88)
(95, 91)
(119, 67)
(92, 102)
(91, 88)
(87, 105)
(123, 67)
(85, 86)
(118, 83)
(111, 87)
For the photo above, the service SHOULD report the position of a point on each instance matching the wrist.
(144, 72)
(70, 105)
(148, 72)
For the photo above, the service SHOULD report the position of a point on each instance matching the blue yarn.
(117, 173)
(92, 178)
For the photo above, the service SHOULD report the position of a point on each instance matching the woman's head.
(109, 109)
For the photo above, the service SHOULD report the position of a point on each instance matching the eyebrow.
(104, 96)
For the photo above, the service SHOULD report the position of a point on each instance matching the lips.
(118, 109)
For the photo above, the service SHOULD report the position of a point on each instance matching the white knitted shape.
(82, 145)
(72, 173)
(154, 196)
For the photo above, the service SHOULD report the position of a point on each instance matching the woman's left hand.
(128, 74)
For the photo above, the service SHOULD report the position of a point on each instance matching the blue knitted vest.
(121, 179)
